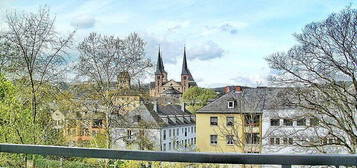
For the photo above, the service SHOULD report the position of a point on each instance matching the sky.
(226, 40)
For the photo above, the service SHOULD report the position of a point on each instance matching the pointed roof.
(185, 70)
(159, 65)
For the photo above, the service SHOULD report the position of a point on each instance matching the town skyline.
(224, 47)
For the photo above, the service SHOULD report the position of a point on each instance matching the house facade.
(230, 124)
(155, 127)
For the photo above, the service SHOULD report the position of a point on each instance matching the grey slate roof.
(171, 110)
(171, 90)
(185, 70)
(156, 119)
(160, 65)
(249, 100)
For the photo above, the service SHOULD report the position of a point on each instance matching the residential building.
(153, 126)
(231, 123)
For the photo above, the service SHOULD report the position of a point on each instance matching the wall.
(204, 130)
(170, 142)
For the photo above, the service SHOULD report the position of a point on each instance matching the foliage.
(197, 97)
(322, 69)
(45, 163)
(39, 54)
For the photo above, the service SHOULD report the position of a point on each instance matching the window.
(230, 139)
(169, 132)
(230, 121)
(194, 140)
(97, 123)
(141, 133)
(185, 131)
(164, 136)
(85, 132)
(288, 122)
(164, 147)
(301, 122)
(169, 145)
(213, 139)
(288, 141)
(291, 141)
(137, 118)
(214, 120)
(230, 104)
(129, 134)
(252, 138)
(178, 132)
(314, 121)
(274, 141)
(252, 119)
(173, 132)
(185, 143)
(177, 144)
(274, 122)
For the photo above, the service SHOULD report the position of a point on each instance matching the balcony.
(285, 160)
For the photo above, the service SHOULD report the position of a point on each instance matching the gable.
(172, 83)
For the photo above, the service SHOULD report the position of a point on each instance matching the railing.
(286, 160)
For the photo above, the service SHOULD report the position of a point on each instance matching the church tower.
(160, 74)
(186, 77)
(123, 80)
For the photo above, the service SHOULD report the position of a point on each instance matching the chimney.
(155, 106)
(183, 106)
(238, 89)
(226, 89)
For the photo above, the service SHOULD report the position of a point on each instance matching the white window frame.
(229, 105)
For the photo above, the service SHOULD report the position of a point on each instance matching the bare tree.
(7, 52)
(39, 50)
(102, 58)
(322, 70)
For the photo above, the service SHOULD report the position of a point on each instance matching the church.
(170, 88)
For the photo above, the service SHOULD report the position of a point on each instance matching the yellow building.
(231, 123)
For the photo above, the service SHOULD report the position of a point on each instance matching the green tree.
(15, 122)
(197, 97)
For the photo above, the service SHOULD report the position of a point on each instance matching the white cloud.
(227, 27)
(259, 78)
(205, 51)
(173, 49)
(83, 22)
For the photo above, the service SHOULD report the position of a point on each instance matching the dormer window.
(230, 104)
(137, 118)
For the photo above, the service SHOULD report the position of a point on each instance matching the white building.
(295, 131)
(155, 127)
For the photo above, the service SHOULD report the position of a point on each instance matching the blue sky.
(226, 40)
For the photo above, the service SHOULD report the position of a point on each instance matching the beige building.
(231, 123)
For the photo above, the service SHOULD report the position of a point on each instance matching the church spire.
(185, 70)
(160, 65)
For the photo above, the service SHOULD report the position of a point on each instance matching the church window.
(185, 77)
